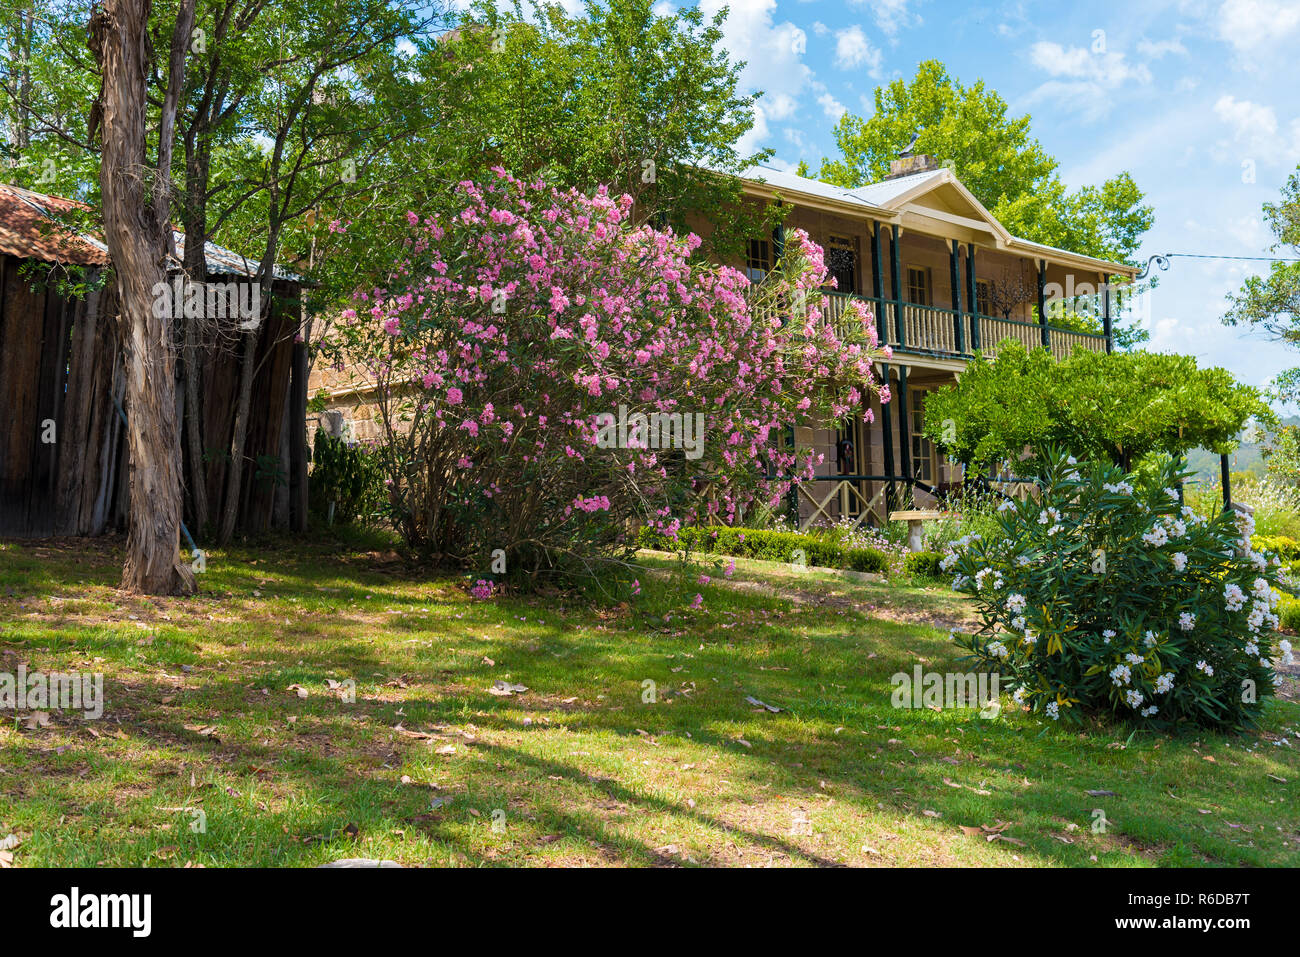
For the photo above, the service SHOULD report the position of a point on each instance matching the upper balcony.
(944, 279)
(948, 333)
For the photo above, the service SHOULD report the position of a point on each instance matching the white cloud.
(820, 28)
(1085, 81)
(1254, 26)
(1157, 49)
(832, 107)
(1248, 120)
(1256, 130)
(780, 106)
(853, 50)
(773, 53)
(663, 9)
(1105, 69)
(890, 15)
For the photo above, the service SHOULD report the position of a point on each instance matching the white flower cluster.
(1121, 675)
(1156, 537)
(983, 574)
(1165, 683)
(1261, 607)
(997, 649)
(1134, 658)
(1284, 646)
(1180, 561)
(1187, 621)
(1107, 635)
(1202, 666)
(1054, 710)
(1119, 488)
(1164, 531)
(1134, 697)
(1051, 516)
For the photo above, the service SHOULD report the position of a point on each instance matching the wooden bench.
(914, 518)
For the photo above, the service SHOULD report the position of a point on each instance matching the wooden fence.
(63, 468)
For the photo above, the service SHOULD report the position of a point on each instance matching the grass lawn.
(222, 703)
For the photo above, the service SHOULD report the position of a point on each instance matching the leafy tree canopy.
(1271, 303)
(1121, 406)
(620, 95)
(995, 157)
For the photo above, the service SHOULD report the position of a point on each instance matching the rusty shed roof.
(29, 229)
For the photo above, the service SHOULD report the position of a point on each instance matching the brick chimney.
(907, 165)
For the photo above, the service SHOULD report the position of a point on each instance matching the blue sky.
(1191, 97)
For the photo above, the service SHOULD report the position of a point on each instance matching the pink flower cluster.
(511, 324)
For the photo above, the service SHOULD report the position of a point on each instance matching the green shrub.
(866, 560)
(349, 475)
(771, 546)
(923, 564)
(1105, 597)
(1289, 611)
(1286, 548)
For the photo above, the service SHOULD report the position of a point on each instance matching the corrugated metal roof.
(782, 180)
(875, 196)
(29, 230)
(886, 191)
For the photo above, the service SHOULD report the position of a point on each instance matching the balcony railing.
(933, 329)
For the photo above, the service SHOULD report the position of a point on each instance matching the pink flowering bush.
(1107, 596)
(552, 376)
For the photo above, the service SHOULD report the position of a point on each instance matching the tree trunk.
(196, 233)
(234, 485)
(135, 230)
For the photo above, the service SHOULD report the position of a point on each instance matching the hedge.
(768, 546)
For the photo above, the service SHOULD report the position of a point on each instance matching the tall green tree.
(619, 95)
(1271, 303)
(995, 156)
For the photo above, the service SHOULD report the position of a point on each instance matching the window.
(760, 260)
(922, 447)
(983, 297)
(918, 285)
(842, 263)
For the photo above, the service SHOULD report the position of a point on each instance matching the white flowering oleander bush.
(1106, 596)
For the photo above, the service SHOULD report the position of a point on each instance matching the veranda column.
(887, 434)
(954, 279)
(1042, 303)
(972, 298)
